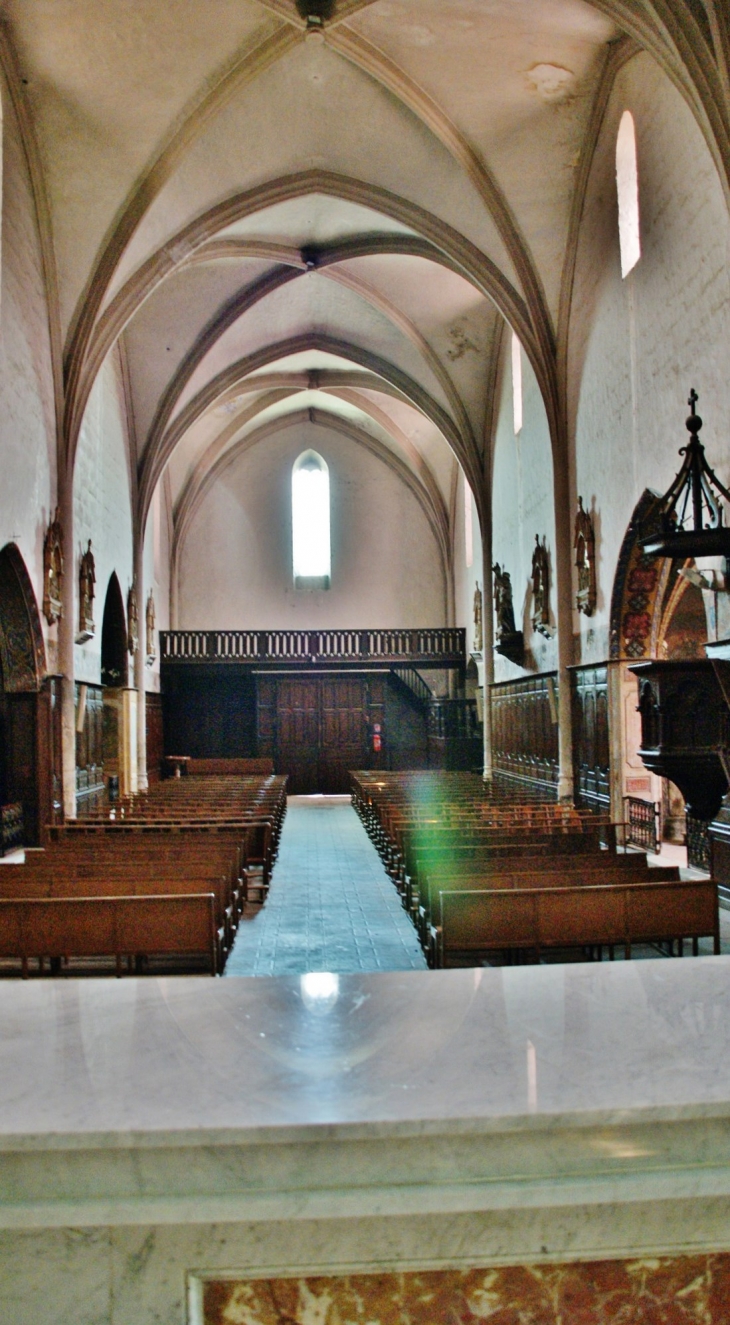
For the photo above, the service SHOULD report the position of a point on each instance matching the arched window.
(310, 510)
(627, 182)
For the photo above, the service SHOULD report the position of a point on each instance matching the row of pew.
(156, 881)
(484, 876)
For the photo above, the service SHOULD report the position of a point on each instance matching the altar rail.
(438, 647)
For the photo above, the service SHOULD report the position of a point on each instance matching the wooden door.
(343, 732)
(297, 735)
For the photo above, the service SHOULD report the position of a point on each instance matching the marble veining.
(692, 1290)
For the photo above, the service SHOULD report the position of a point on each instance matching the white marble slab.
(155, 1129)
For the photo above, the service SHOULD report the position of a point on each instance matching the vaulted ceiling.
(265, 217)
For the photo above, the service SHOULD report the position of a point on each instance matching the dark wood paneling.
(298, 719)
(525, 729)
(49, 755)
(210, 712)
(18, 742)
(591, 737)
(318, 728)
(90, 746)
(155, 735)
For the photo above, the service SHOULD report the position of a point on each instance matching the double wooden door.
(316, 728)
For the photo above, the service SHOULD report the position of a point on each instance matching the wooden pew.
(533, 920)
(529, 873)
(118, 927)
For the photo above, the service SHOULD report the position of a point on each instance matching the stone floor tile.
(331, 906)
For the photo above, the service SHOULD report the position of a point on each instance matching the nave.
(331, 907)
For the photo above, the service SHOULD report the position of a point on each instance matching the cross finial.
(693, 398)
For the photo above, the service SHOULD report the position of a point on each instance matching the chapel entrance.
(317, 727)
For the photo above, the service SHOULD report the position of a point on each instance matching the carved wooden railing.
(436, 647)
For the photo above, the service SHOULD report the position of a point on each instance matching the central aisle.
(331, 906)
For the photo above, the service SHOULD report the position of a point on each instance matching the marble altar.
(158, 1134)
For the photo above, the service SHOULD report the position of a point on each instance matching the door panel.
(316, 729)
(343, 731)
(297, 720)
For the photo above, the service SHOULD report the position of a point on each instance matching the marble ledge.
(181, 1101)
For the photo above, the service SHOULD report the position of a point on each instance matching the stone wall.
(236, 567)
(27, 421)
(102, 505)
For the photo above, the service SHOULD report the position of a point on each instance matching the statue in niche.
(87, 581)
(509, 640)
(53, 570)
(132, 621)
(503, 609)
(541, 587)
(149, 617)
(584, 546)
(478, 633)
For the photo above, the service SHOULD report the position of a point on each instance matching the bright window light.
(517, 384)
(468, 529)
(311, 519)
(627, 183)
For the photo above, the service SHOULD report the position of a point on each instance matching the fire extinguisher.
(377, 738)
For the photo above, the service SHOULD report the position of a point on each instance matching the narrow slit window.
(627, 184)
(468, 527)
(516, 384)
(311, 522)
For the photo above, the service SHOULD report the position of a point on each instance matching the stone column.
(139, 666)
(564, 615)
(487, 639)
(66, 634)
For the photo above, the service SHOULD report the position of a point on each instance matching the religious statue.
(584, 545)
(150, 629)
(87, 580)
(541, 587)
(53, 570)
(503, 608)
(509, 640)
(478, 639)
(132, 621)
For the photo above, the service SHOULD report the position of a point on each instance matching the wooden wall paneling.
(266, 716)
(525, 730)
(298, 737)
(48, 756)
(209, 712)
(591, 744)
(343, 738)
(155, 735)
(90, 746)
(21, 760)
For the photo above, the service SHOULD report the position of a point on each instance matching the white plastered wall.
(27, 421)
(639, 344)
(102, 506)
(235, 565)
(156, 577)
(466, 577)
(523, 507)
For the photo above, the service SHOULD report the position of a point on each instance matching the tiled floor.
(331, 906)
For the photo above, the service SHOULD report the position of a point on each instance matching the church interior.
(365, 646)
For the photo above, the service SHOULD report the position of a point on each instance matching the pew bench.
(122, 928)
(476, 923)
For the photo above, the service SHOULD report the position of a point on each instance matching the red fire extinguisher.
(377, 738)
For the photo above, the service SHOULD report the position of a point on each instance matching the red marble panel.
(686, 1290)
